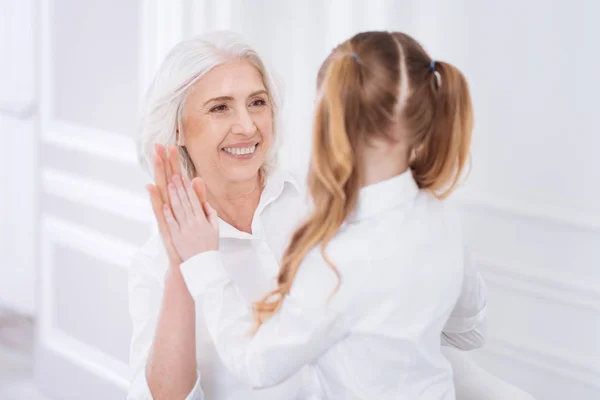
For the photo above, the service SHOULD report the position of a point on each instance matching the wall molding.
(562, 364)
(53, 231)
(95, 244)
(18, 110)
(115, 252)
(563, 216)
(551, 287)
(87, 357)
(99, 195)
(108, 145)
(67, 134)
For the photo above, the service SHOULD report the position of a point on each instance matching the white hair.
(162, 107)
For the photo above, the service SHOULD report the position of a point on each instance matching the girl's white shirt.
(406, 279)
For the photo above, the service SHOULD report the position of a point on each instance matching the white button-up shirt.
(253, 261)
(405, 280)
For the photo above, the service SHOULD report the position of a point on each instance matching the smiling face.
(227, 123)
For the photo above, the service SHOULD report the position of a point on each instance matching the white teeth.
(240, 151)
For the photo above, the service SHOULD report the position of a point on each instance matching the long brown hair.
(365, 86)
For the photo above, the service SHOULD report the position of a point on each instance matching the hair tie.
(355, 56)
(432, 66)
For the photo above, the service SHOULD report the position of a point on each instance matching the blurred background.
(73, 208)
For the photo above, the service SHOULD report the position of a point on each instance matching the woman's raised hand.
(181, 214)
(193, 225)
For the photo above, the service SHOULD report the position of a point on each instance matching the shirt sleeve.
(305, 326)
(465, 329)
(145, 297)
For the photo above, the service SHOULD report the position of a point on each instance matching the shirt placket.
(268, 259)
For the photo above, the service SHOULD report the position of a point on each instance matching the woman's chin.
(241, 173)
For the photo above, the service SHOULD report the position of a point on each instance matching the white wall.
(530, 206)
(17, 155)
(93, 213)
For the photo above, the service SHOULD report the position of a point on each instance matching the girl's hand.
(193, 225)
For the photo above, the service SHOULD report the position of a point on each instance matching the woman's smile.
(241, 151)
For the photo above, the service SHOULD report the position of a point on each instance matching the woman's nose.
(244, 124)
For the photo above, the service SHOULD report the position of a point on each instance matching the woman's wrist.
(174, 284)
(173, 274)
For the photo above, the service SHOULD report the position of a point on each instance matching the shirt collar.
(277, 181)
(274, 186)
(382, 196)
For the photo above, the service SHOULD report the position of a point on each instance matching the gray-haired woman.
(215, 102)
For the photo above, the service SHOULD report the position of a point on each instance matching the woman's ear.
(179, 139)
(179, 136)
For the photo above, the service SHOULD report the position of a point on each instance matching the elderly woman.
(214, 98)
(215, 105)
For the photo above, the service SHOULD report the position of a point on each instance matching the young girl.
(377, 271)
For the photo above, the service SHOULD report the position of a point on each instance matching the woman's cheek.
(265, 125)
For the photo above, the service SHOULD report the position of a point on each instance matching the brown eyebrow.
(262, 91)
(229, 98)
(221, 98)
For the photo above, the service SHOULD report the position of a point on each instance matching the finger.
(160, 179)
(200, 189)
(176, 205)
(183, 197)
(196, 206)
(157, 208)
(171, 222)
(213, 217)
(174, 160)
(162, 153)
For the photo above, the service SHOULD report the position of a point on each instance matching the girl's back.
(400, 262)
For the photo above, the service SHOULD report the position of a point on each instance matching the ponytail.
(443, 152)
(332, 181)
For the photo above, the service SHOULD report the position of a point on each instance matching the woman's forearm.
(171, 370)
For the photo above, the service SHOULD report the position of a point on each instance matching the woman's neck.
(235, 202)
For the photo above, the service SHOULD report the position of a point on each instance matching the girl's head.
(376, 91)
(215, 99)
(382, 87)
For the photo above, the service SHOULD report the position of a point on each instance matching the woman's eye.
(220, 108)
(258, 103)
